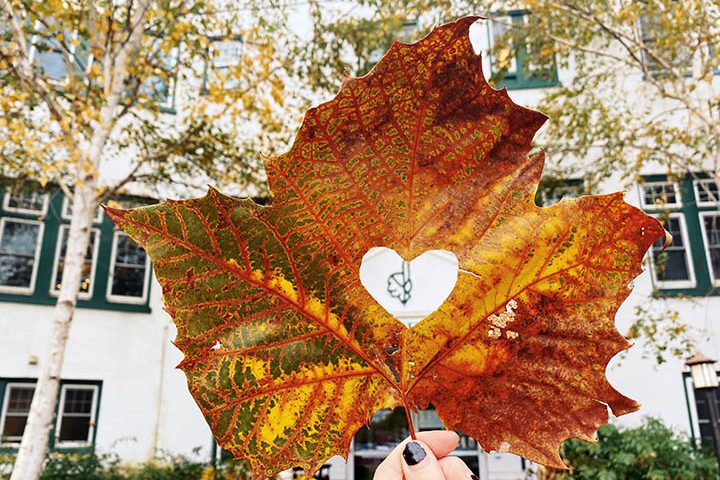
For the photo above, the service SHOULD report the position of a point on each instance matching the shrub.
(167, 467)
(90, 466)
(650, 452)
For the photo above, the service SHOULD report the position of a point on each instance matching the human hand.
(425, 459)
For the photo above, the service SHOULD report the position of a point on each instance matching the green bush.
(89, 466)
(649, 452)
(168, 467)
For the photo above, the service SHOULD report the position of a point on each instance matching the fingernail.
(474, 477)
(413, 453)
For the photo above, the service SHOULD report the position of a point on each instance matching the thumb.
(419, 462)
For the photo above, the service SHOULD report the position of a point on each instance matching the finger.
(420, 463)
(455, 469)
(441, 442)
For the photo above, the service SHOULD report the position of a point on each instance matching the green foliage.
(91, 466)
(87, 466)
(652, 452)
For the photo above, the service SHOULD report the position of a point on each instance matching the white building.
(121, 392)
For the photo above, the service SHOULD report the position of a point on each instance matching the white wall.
(124, 350)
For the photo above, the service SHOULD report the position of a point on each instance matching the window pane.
(32, 201)
(225, 60)
(159, 88)
(228, 53)
(653, 27)
(87, 266)
(19, 399)
(78, 400)
(671, 264)
(672, 225)
(712, 232)
(128, 252)
(14, 427)
(538, 59)
(76, 414)
(659, 194)
(51, 62)
(17, 253)
(504, 60)
(18, 406)
(128, 282)
(48, 56)
(552, 190)
(129, 272)
(707, 191)
(75, 429)
(703, 413)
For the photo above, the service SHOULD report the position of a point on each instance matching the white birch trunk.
(35, 442)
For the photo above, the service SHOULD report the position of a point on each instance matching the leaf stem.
(410, 423)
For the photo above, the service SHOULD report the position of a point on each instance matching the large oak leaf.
(286, 353)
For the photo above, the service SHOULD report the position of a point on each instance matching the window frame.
(675, 284)
(696, 191)
(169, 104)
(648, 42)
(3, 411)
(66, 215)
(30, 290)
(209, 62)
(24, 211)
(516, 79)
(93, 415)
(714, 280)
(72, 49)
(81, 295)
(111, 272)
(678, 196)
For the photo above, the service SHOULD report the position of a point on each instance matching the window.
(19, 251)
(518, 60)
(52, 49)
(28, 202)
(77, 413)
(710, 225)
(76, 417)
(706, 192)
(15, 410)
(653, 32)
(672, 267)
(702, 399)
(226, 55)
(655, 195)
(67, 211)
(47, 55)
(160, 88)
(129, 271)
(88, 273)
(551, 190)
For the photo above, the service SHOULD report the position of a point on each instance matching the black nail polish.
(413, 453)
(474, 477)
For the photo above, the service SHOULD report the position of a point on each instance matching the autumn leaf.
(287, 354)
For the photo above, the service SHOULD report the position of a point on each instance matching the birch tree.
(102, 101)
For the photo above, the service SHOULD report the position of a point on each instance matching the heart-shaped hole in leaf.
(410, 291)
